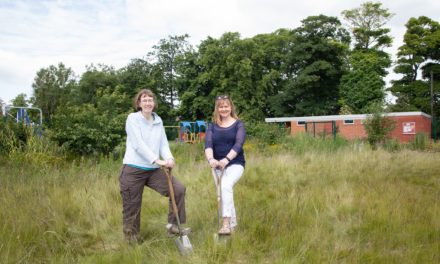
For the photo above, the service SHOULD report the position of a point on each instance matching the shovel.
(218, 184)
(182, 242)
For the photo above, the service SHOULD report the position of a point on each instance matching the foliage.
(169, 60)
(363, 86)
(90, 129)
(316, 60)
(232, 66)
(266, 134)
(20, 100)
(367, 26)
(378, 128)
(421, 47)
(136, 76)
(52, 87)
(95, 78)
(13, 136)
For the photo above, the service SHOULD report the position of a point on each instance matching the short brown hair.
(137, 98)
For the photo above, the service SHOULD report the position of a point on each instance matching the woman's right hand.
(213, 163)
(160, 162)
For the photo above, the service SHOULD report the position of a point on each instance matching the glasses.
(220, 97)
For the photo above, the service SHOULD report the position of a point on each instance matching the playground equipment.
(192, 132)
(22, 115)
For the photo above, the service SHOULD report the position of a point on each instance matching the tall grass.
(299, 202)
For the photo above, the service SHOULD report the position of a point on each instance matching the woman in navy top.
(224, 151)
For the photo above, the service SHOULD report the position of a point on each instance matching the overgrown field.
(335, 205)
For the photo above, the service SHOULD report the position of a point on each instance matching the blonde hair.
(137, 98)
(216, 118)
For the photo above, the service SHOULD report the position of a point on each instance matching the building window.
(301, 123)
(348, 122)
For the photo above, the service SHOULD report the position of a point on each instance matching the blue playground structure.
(22, 115)
(192, 132)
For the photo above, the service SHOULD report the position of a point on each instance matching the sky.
(35, 34)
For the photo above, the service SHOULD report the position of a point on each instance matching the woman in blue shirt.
(224, 151)
(146, 150)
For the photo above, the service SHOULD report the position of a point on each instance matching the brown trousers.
(132, 182)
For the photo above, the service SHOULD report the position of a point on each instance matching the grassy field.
(341, 205)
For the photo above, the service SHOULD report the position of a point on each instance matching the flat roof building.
(408, 124)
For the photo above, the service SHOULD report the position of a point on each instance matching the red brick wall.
(294, 128)
(351, 131)
(422, 125)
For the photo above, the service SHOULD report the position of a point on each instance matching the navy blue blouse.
(223, 139)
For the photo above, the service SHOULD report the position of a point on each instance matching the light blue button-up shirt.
(146, 141)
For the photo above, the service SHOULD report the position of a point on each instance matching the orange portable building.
(408, 124)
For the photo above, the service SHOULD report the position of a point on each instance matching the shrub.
(13, 136)
(268, 134)
(378, 128)
(86, 130)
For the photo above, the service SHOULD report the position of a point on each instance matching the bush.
(378, 128)
(13, 136)
(86, 130)
(268, 134)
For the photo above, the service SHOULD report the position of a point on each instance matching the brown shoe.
(174, 230)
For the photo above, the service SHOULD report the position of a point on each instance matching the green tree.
(93, 79)
(193, 100)
(135, 76)
(51, 89)
(367, 26)
(20, 100)
(316, 61)
(276, 71)
(245, 69)
(211, 76)
(421, 47)
(168, 59)
(363, 85)
(93, 128)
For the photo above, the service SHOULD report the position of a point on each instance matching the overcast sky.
(35, 34)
